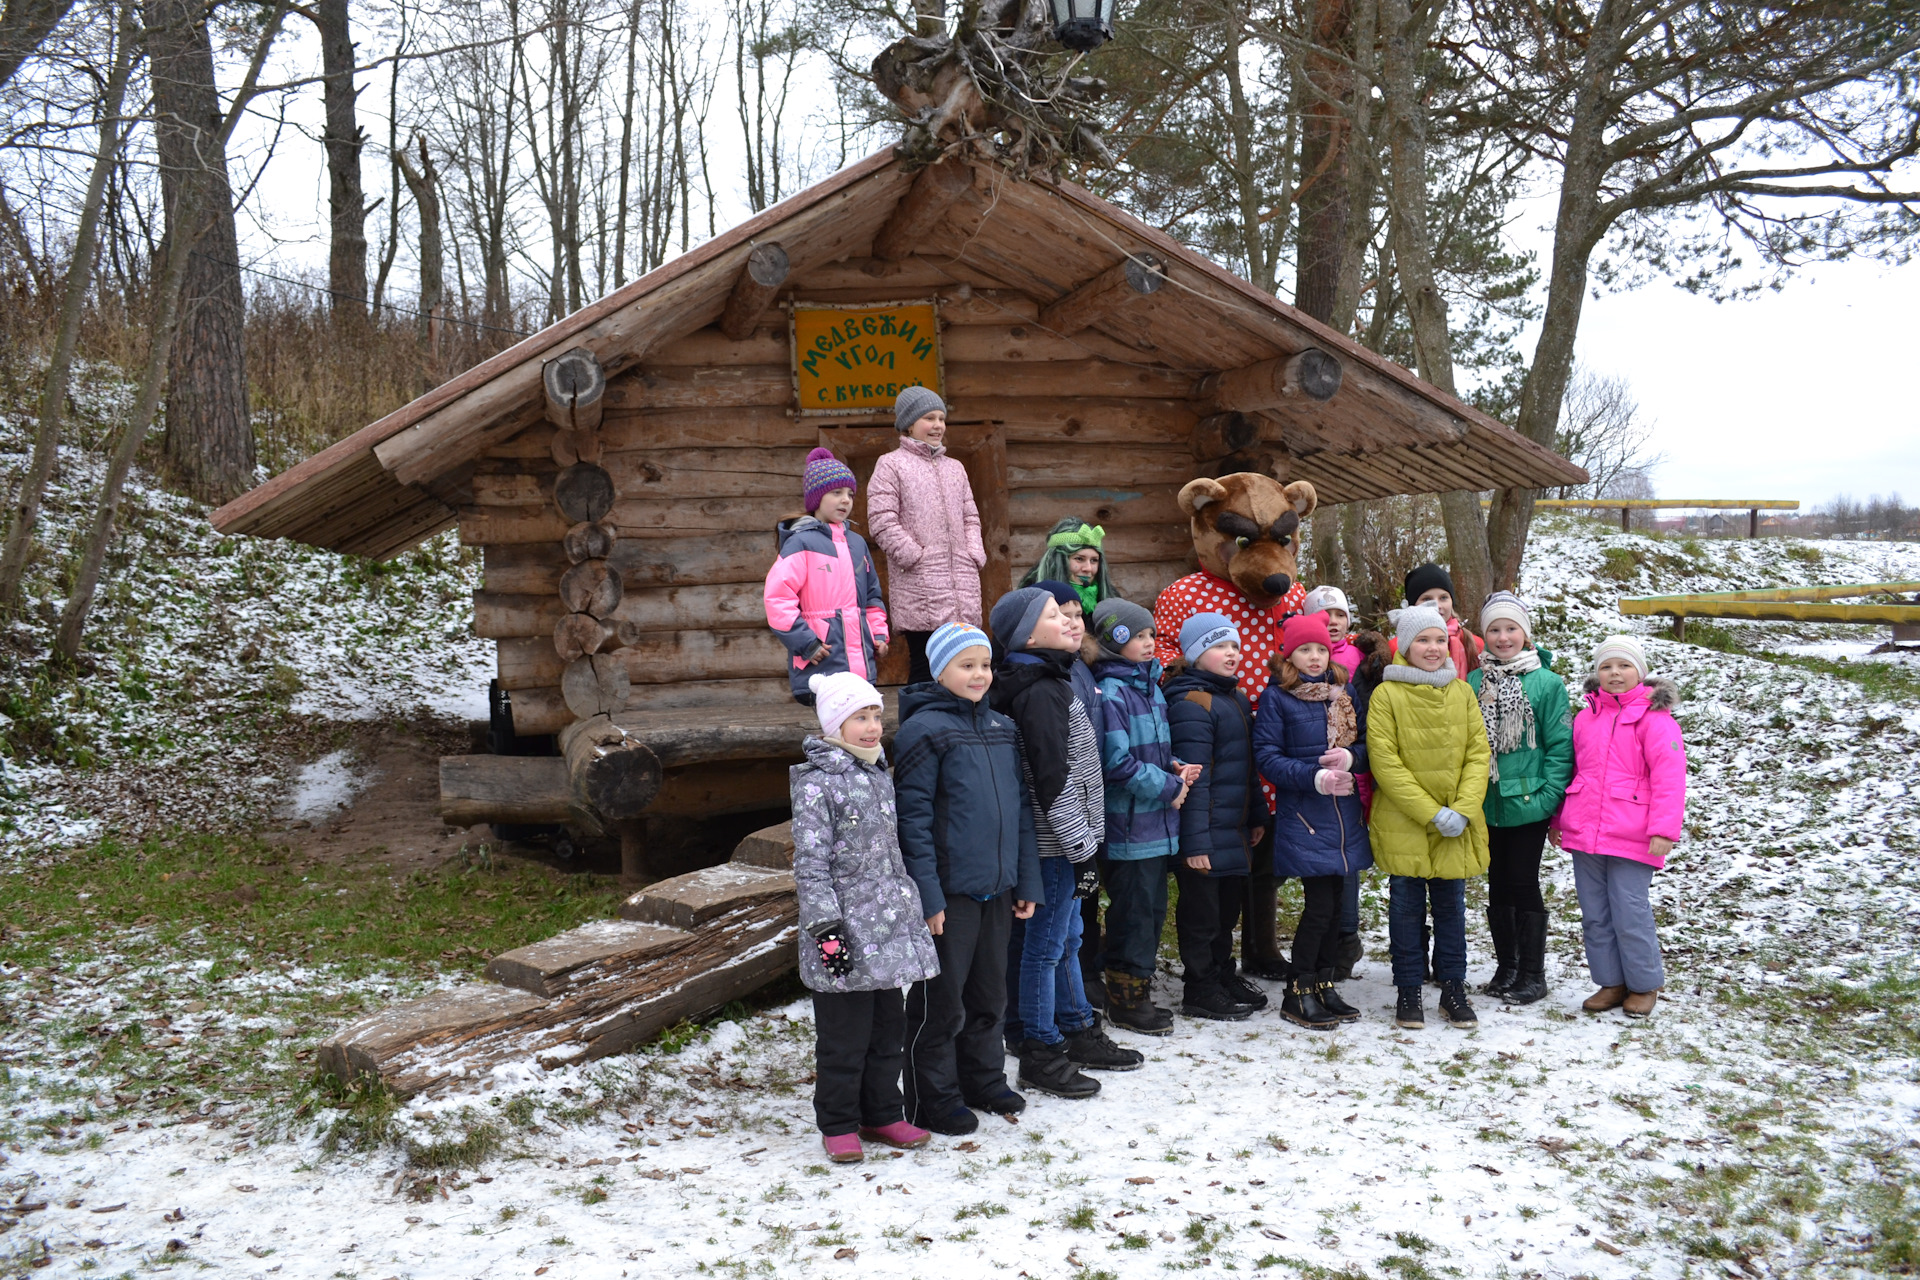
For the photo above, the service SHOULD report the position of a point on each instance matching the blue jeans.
(1053, 1003)
(1407, 911)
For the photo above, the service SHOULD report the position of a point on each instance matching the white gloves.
(1448, 823)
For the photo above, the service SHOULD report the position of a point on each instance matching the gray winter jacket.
(846, 862)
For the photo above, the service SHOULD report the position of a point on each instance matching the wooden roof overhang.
(399, 481)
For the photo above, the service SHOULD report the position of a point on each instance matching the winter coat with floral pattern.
(847, 865)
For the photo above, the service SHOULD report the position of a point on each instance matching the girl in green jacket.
(1428, 750)
(1530, 734)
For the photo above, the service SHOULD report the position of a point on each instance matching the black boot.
(1426, 951)
(1093, 1050)
(1454, 1006)
(1096, 989)
(1047, 1068)
(1260, 953)
(1330, 999)
(1130, 1006)
(1410, 1012)
(1530, 980)
(1350, 953)
(1238, 988)
(1500, 925)
(1210, 1000)
(1302, 1004)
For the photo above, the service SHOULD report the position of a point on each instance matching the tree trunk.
(209, 437)
(1361, 163)
(1323, 188)
(23, 25)
(346, 199)
(424, 183)
(53, 398)
(1426, 308)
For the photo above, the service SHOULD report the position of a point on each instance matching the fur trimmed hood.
(1662, 693)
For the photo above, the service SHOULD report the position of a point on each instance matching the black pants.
(1136, 913)
(1513, 867)
(1316, 940)
(1093, 957)
(919, 670)
(954, 1050)
(858, 1046)
(1203, 920)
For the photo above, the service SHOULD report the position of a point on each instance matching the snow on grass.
(210, 662)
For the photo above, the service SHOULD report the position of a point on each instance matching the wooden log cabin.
(623, 470)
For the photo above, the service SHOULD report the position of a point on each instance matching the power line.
(347, 297)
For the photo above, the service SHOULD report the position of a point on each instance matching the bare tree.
(1602, 430)
(424, 183)
(53, 399)
(346, 197)
(23, 25)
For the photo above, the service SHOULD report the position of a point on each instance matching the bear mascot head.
(1246, 529)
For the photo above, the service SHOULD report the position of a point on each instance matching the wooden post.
(1221, 434)
(1626, 519)
(759, 280)
(1679, 626)
(633, 852)
(987, 473)
(1267, 384)
(1753, 522)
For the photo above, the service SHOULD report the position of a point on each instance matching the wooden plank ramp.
(682, 948)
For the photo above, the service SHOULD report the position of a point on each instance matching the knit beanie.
(1628, 647)
(950, 641)
(838, 696)
(1304, 628)
(1015, 614)
(1116, 621)
(1060, 591)
(1321, 599)
(1426, 578)
(1410, 622)
(1505, 604)
(1203, 631)
(913, 404)
(824, 472)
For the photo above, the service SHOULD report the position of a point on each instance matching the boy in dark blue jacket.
(1221, 822)
(966, 834)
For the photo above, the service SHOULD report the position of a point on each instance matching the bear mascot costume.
(1246, 533)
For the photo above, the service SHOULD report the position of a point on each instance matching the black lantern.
(1083, 25)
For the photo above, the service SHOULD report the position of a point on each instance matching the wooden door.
(981, 447)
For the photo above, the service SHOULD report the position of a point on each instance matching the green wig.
(1066, 537)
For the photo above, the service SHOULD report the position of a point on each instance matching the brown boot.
(1640, 1003)
(1606, 998)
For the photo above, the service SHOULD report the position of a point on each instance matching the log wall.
(705, 458)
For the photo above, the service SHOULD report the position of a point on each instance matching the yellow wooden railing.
(1784, 604)
(1627, 506)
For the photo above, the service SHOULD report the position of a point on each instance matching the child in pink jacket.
(921, 511)
(822, 594)
(1625, 809)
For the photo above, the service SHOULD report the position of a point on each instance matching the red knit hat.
(1304, 628)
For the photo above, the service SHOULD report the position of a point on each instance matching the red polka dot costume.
(1203, 592)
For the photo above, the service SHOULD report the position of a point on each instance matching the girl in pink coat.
(822, 594)
(920, 510)
(1625, 809)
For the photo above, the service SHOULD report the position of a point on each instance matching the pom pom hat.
(823, 474)
(1203, 631)
(838, 696)
(950, 641)
(1304, 628)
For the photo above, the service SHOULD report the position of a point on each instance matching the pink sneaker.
(843, 1148)
(898, 1134)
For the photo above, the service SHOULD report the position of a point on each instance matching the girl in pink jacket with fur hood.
(1625, 809)
(920, 510)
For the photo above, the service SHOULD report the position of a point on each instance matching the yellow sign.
(847, 359)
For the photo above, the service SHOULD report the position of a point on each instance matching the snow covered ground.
(1765, 1122)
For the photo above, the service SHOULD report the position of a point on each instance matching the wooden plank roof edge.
(1321, 333)
(230, 517)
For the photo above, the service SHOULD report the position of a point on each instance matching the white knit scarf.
(1504, 705)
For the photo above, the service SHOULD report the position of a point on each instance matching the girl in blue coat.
(1309, 739)
(1221, 822)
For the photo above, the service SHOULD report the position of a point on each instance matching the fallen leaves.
(1141, 1181)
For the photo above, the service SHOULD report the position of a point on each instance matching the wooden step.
(373, 1045)
(581, 956)
(767, 847)
(689, 901)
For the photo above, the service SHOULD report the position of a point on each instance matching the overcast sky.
(1805, 394)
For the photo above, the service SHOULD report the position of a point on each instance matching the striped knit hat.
(825, 472)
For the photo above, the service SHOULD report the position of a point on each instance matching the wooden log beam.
(1312, 374)
(595, 685)
(584, 492)
(760, 279)
(611, 773)
(1220, 434)
(937, 188)
(1136, 276)
(575, 386)
(519, 789)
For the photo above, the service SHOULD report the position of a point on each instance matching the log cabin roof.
(401, 479)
